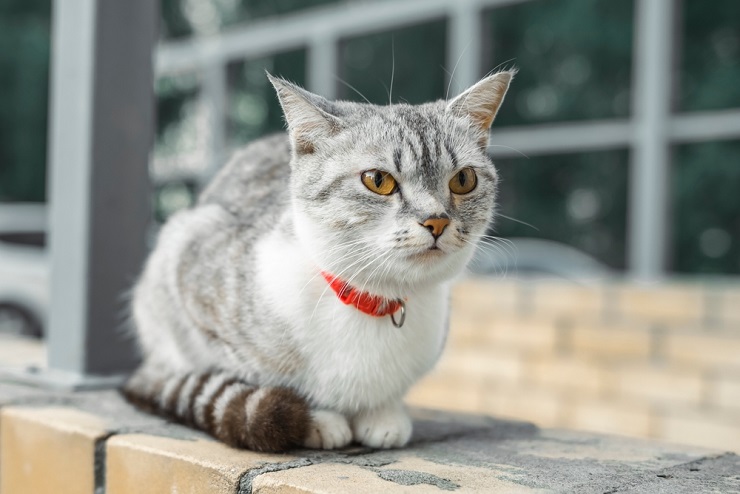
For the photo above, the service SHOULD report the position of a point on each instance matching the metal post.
(464, 47)
(102, 126)
(214, 92)
(322, 66)
(648, 200)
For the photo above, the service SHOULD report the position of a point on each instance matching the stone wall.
(657, 361)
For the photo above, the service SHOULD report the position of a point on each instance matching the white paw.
(329, 430)
(386, 427)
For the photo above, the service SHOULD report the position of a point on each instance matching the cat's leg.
(328, 430)
(388, 426)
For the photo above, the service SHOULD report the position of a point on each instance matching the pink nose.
(436, 226)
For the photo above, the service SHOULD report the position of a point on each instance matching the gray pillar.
(649, 172)
(102, 127)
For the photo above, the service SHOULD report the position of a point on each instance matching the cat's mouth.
(433, 252)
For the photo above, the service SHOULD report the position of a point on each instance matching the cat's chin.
(428, 255)
(435, 265)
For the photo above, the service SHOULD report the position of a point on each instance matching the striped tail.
(239, 414)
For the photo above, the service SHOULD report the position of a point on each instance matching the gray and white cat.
(308, 289)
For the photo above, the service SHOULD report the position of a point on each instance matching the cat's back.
(254, 183)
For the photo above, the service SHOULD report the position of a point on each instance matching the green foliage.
(710, 67)
(574, 57)
(706, 215)
(24, 72)
(253, 109)
(577, 199)
(417, 53)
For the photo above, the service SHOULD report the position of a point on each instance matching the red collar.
(373, 305)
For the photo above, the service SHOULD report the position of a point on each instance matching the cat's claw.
(328, 430)
(387, 427)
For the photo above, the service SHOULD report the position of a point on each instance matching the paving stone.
(49, 450)
(57, 449)
(143, 464)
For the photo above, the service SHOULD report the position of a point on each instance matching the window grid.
(648, 133)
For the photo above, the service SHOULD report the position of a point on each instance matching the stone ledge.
(95, 442)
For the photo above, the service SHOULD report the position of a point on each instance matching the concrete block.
(729, 308)
(407, 474)
(658, 384)
(712, 351)
(609, 417)
(49, 450)
(529, 334)
(445, 392)
(613, 342)
(701, 428)
(144, 464)
(566, 374)
(486, 297)
(542, 406)
(725, 393)
(674, 303)
(559, 298)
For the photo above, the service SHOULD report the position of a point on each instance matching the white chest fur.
(352, 361)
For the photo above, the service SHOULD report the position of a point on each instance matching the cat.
(307, 290)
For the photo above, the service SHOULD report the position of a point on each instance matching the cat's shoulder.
(255, 178)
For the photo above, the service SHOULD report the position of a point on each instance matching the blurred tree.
(576, 199)
(710, 62)
(706, 216)
(24, 73)
(253, 108)
(413, 57)
(574, 57)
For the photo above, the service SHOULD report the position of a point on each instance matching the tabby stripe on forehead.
(397, 159)
(453, 155)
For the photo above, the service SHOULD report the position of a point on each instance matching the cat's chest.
(350, 360)
(356, 361)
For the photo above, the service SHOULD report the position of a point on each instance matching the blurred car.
(24, 269)
(536, 257)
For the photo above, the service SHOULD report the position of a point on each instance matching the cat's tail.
(239, 414)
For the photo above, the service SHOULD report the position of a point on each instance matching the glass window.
(367, 62)
(24, 89)
(710, 66)
(253, 109)
(706, 208)
(574, 58)
(576, 199)
(183, 128)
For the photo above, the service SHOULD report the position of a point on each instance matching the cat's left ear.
(308, 115)
(480, 103)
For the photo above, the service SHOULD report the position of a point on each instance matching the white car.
(24, 269)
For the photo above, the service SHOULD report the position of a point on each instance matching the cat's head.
(390, 198)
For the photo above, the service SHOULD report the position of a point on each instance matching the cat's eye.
(379, 182)
(464, 181)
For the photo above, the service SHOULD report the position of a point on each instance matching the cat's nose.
(436, 225)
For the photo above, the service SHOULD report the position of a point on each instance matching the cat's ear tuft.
(480, 103)
(308, 115)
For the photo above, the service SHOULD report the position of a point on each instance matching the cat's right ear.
(307, 115)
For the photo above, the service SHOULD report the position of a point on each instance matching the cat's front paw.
(328, 430)
(385, 427)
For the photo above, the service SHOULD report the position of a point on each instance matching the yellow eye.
(379, 182)
(464, 181)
